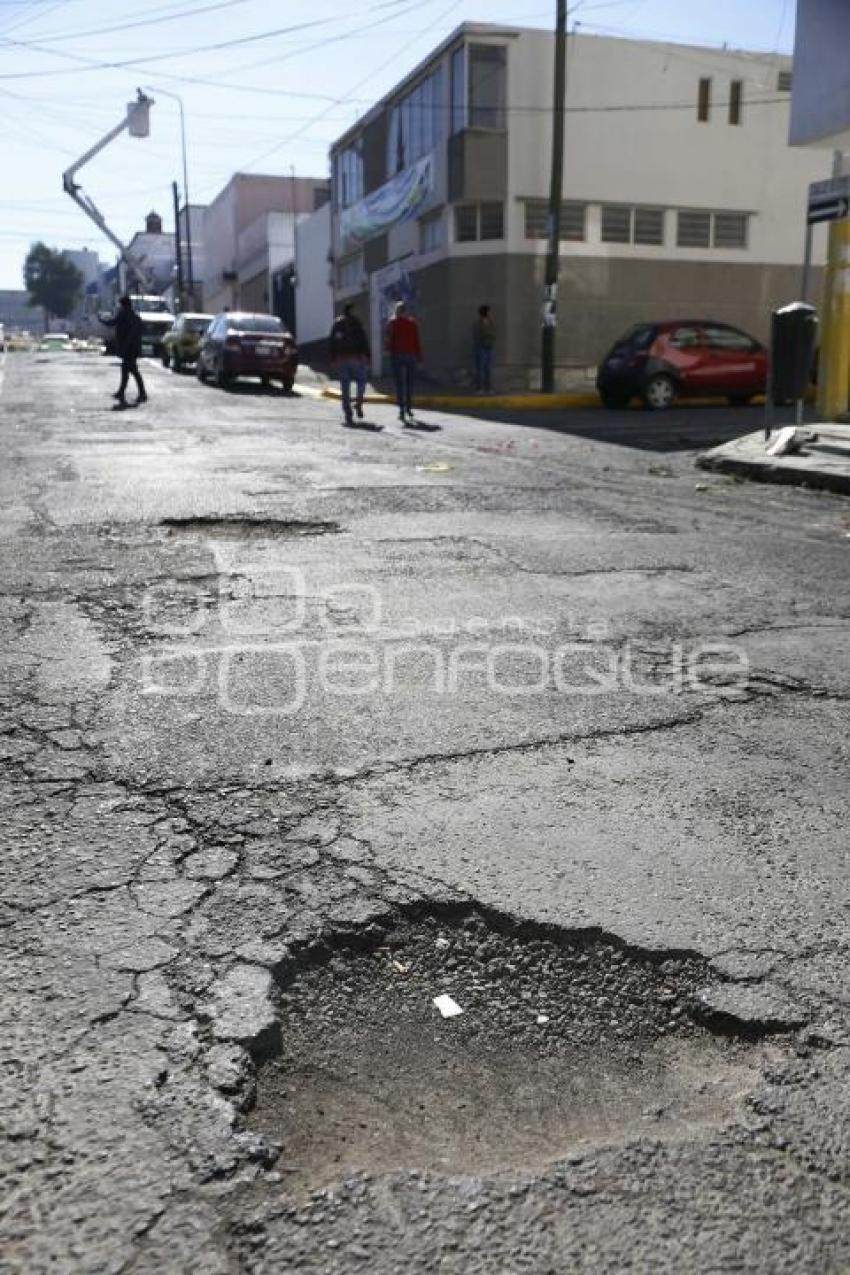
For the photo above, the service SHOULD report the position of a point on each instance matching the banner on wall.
(395, 201)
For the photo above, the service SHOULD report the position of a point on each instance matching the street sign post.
(828, 200)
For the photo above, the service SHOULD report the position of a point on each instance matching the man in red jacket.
(405, 350)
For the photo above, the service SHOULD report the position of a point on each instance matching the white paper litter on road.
(447, 1007)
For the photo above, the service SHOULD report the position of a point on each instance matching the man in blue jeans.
(350, 356)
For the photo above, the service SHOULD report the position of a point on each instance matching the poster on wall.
(397, 200)
(386, 287)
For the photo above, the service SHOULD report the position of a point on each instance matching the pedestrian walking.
(405, 350)
(128, 343)
(350, 357)
(484, 341)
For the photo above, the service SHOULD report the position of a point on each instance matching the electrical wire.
(153, 20)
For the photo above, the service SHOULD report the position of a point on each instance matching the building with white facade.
(249, 234)
(681, 195)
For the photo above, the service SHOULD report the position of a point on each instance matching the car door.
(736, 360)
(685, 351)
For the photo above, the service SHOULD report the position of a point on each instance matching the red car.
(692, 358)
(237, 343)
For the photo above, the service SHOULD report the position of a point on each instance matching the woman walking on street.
(405, 350)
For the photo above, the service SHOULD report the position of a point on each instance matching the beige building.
(681, 194)
(249, 234)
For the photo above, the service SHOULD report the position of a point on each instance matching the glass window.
(693, 230)
(572, 221)
(431, 232)
(720, 337)
(458, 77)
(415, 123)
(487, 85)
(537, 219)
(492, 221)
(254, 323)
(616, 224)
(685, 338)
(349, 176)
(736, 95)
(466, 222)
(649, 225)
(704, 100)
(730, 230)
(783, 82)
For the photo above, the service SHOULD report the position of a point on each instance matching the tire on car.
(659, 392)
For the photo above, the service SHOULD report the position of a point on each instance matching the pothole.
(242, 527)
(561, 1042)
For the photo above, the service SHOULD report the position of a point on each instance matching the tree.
(52, 281)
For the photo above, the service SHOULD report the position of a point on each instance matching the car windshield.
(197, 325)
(255, 323)
(152, 305)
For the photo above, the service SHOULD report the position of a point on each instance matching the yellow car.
(181, 341)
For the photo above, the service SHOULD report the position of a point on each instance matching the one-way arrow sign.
(829, 200)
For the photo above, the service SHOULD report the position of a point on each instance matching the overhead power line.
(154, 19)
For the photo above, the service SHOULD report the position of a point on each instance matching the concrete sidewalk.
(823, 463)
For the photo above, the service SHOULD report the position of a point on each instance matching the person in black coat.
(350, 355)
(128, 343)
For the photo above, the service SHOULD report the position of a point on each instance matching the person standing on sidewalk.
(128, 343)
(350, 356)
(484, 340)
(405, 350)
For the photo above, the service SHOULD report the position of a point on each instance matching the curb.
(481, 402)
(787, 475)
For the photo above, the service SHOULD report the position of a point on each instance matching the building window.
(415, 123)
(712, 230)
(694, 230)
(432, 232)
(616, 224)
(736, 94)
(492, 221)
(621, 224)
(704, 100)
(487, 85)
(783, 82)
(458, 89)
(649, 226)
(479, 221)
(730, 230)
(348, 166)
(537, 220)
(349, 273)
(466, 223)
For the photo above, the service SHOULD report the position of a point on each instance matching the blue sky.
(293, 75)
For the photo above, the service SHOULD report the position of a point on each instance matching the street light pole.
(550, 295)
(189, 267)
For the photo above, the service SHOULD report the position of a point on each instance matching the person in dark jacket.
(128, 343)
(483, 341)
(350, 356)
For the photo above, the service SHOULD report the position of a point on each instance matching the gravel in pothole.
(558, 1043)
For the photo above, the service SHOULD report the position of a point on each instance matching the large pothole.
(562, 1041)
(237, 527)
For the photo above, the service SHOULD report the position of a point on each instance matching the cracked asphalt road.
(271, 688)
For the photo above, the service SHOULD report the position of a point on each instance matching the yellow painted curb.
(479, 402)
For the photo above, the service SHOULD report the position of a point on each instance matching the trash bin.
(793, 335)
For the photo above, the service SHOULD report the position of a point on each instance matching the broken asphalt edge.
(793, 471)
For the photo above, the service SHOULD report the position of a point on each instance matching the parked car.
(182, 341)
(682, 358)
(2, 338)
(241, 344)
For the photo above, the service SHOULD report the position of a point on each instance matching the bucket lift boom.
(137, 122)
